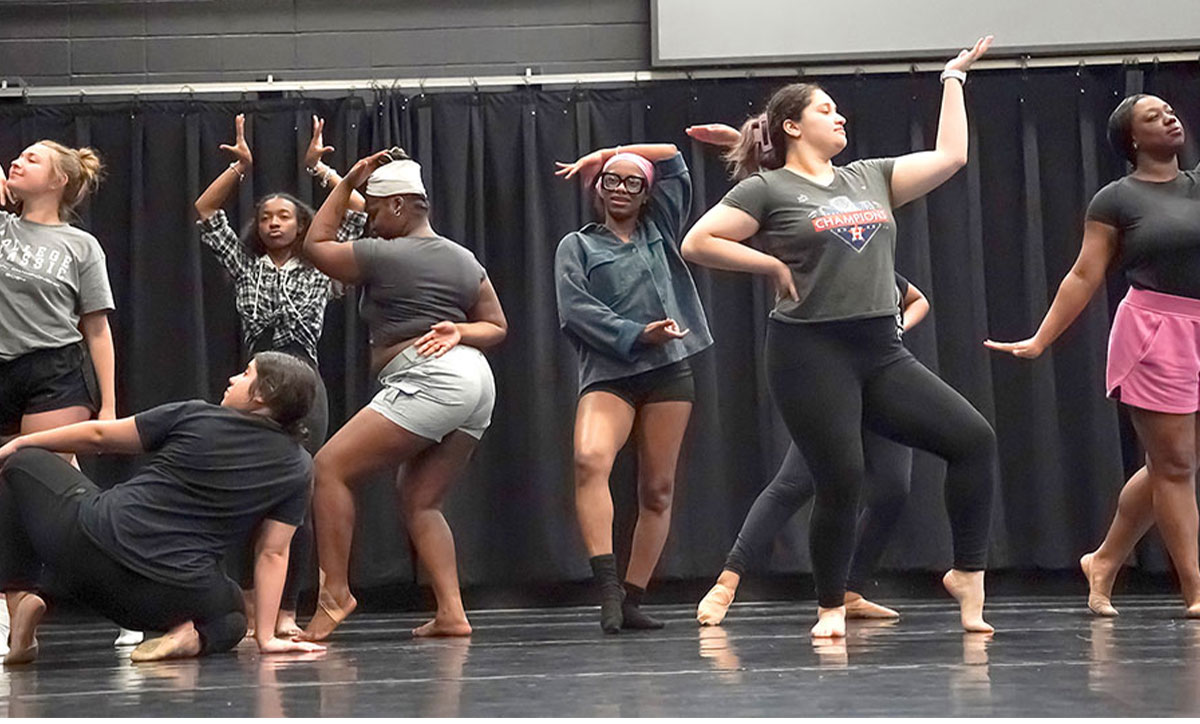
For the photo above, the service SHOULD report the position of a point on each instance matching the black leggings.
(889, 473)
(830, 380)
(41, 497)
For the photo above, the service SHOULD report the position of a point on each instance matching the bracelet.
(322, 176)
(957, 75)
(234, 167)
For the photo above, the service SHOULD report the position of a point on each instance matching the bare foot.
(859, 607)
(831, 623)
(967, 587)
(26, 614)
(434, 627)
(181, 642)
(715, 604)
(330, 613)
(1100, 582)
(286, 626)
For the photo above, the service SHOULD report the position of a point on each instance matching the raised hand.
(316, 146)
(240, 149)
(360, 171)
(440, 339)
(968, 56)
(1025, 349)
(715, 134)
(661, 332)
(588, 165)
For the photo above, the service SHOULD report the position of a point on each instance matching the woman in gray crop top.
(430, 308)
(1146, 224)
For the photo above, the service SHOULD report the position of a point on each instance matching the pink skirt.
(1154, 352)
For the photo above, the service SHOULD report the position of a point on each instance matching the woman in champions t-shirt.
(1148, 225)
(834, 361)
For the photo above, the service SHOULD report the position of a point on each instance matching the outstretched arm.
(916, 174)
(90, 437)
(1076, 290)
(591, 164)
(222, 187)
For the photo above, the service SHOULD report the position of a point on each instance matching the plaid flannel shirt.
(290, 300)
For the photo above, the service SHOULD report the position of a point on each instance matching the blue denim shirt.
(609, 290)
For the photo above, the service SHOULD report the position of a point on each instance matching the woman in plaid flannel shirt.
(280, 298)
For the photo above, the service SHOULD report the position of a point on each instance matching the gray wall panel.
(214, 40)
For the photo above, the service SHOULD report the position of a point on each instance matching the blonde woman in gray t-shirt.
(834, 361)
(54, 293)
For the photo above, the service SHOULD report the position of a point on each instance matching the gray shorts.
(434, 396)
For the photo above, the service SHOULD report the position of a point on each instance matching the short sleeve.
(750, 195)
(155, 425)
(1105, 206)
(95, 293)
(902, 285)
(366, 256)
(880, 168)
(292, 509)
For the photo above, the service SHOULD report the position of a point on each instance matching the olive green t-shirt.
(839, 240)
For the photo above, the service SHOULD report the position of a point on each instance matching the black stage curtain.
(989, 248)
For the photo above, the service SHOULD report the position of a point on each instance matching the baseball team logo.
(854, 222)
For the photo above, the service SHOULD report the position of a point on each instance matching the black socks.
(604, 572)
(633, 616)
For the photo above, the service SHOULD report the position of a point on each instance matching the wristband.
(957, 75)
(322, 176)
(234, 167)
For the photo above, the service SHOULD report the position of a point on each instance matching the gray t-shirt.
(1158, 227)
(413, 282)
(50, 276)
(839, 240)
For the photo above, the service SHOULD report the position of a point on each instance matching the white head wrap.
(397, 177)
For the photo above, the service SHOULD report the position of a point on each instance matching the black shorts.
(45, 380)
(672, 383)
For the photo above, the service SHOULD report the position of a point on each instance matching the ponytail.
(763, 144)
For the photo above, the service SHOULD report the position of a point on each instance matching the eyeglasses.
(609, 181)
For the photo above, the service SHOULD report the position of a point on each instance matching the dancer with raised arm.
(431, 309)
(1147, 225)
(627, 303)
(834, 362)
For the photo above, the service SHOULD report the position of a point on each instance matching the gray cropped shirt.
(413, 282)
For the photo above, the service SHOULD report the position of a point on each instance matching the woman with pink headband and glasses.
(627, 302)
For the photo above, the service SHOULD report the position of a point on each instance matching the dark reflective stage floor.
(1049, 658)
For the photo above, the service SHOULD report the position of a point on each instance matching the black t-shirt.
(215, 475)
(1158, 227)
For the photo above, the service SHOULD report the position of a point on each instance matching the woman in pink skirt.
(1146, 224)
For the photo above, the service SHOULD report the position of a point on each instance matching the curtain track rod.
(565, 80)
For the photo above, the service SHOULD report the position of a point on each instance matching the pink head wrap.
(641, 162)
